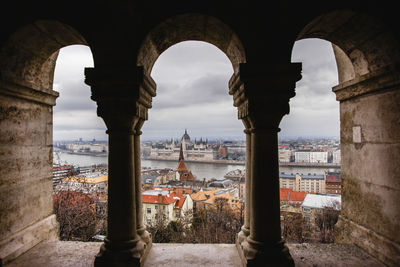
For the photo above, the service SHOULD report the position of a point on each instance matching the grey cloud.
(74, 95)
(192, 93)
(209, 88)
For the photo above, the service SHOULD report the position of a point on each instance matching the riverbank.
(216, 161)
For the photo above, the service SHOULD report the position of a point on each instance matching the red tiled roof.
(297, 196)
(179, 203)
(287, 194)
(333, 179)
(283, 193)
(165, 199)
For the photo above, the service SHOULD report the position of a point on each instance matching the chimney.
(159, 198)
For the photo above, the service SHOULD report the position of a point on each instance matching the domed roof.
(186, 136)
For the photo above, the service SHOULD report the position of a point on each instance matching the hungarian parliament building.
(192, 151)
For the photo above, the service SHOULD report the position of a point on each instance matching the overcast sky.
(192, 93)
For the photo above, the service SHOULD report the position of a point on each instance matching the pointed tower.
(181, 154)
(184, 173)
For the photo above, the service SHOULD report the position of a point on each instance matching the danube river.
(199, 170)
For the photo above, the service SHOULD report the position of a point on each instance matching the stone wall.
(26, 169)
(370, 145)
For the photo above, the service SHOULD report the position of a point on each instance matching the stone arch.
(28, 57)
(361, 42)
(195, 27)
(27, 62)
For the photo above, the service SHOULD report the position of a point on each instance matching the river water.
(199, 170)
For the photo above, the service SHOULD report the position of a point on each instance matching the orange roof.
(165, 199)
(287, 194)
(297, 196)
(233, 202)
(284, 192)
(179, 203)
(201, 195)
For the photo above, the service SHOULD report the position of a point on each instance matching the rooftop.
(321, 201)
(303, 176)
(92, 178)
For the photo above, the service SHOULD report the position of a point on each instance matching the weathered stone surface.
(26, 169)
(22, 241)
(385, 250)
(193, 255)
(76, 254)
(336, 255)
(59, 254)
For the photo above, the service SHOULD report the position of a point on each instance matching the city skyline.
(192, 80)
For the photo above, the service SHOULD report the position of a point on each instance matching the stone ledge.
(24, 240)
(316, 254)
(76, 254)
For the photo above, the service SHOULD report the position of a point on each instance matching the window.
(148, 210)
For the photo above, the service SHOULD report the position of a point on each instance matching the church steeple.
(181, 153)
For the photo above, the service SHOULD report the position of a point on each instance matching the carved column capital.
(123, 96)
(261, 92)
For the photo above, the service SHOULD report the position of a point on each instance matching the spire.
(181, 153)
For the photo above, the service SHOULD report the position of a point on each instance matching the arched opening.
(309, 151)
(27, 70)
(79, 151)
(193, 110)
(366, 54)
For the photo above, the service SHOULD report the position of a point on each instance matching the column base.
(242, 235)
(144, 235)
(129, 254)
(253, 253)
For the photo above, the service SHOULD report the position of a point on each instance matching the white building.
(312, 183)
(284, 154)
(314, 204)
(336, 156)
(192, 151)
(311, 156)
(169, 205)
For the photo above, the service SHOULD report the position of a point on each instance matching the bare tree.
(214, 224)
(294, 228)
(325, 220)
(76, 214)
(81, 213)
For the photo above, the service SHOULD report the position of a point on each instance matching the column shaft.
(121, 188)
(245, 230)
(265, 213)
(141, 228)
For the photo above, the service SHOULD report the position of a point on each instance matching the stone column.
(122, 242)
(261, 94)
(245, 230)
(123, 97)
(141, 228)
